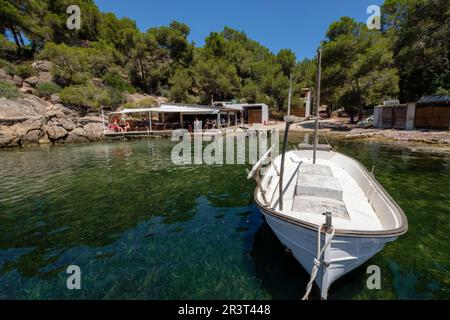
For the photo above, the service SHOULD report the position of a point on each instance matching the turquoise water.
(140, 227)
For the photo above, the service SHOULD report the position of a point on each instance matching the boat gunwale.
(347, 232)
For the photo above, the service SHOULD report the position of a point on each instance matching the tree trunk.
(142, 70)
(16, 38)
(21, 38)
(360, 113)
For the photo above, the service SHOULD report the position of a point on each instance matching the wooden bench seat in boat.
(318, 191)
(319, 186)
(318, 205)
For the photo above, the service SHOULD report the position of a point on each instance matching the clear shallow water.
(140, 227)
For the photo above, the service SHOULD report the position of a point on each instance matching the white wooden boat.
(364, 216)
(326, 208)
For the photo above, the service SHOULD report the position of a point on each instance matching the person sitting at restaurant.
(115, 126)
(127, 126)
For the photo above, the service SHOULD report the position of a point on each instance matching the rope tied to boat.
(316, 262)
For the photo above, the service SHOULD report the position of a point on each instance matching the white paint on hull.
(346, 253)
(365, 217)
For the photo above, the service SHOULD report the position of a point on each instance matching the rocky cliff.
(31, 120)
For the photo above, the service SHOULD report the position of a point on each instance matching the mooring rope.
(316, 261)
(325, 136)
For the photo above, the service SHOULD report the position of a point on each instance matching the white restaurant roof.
(173, 108)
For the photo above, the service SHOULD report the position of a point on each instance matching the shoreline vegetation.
(54, 81)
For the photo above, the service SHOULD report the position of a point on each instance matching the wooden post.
(316, 126)
(181, 121)
(150, 121)
(219, 125)
(228, 118)
(103, 120)
(290, 95)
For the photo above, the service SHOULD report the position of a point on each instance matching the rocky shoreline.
(415, 140)
(30, 120)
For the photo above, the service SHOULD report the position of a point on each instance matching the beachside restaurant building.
(169, 117)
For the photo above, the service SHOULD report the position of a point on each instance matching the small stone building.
(394, 115)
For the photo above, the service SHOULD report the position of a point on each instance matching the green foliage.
(74, 65)
(358, 67)
(8, 90)
(90, 96)
(7, 48)
(25, 70)
(420, 33)
(116, 81)
(217, 79)
(181, 84)
(409, 58)
(110, 97)
(287, 59)
(79, 96)
(46, 89)
(8, 67)
(144, 103)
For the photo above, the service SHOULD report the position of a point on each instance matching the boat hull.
(346, 252)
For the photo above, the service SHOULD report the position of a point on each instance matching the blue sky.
(296, 24)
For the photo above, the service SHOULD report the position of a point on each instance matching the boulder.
(42, 65)
(73, 137)
(5, 138)
(98, 82)
(64, 122)
(4, 75)
(34, 123)
(94, 130)
(44, 139)
(52, 113)
(40, 78)
(91, 131)
(26, 106)
(54, 98)
(90, 119)
(32, 81)
(45, 77)
(26, 89)
(135, 97)
(33, 136)
(18, 81)
(55, 132)
(67, 111)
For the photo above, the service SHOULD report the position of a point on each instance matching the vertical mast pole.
(319, 76)
(290, 95)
